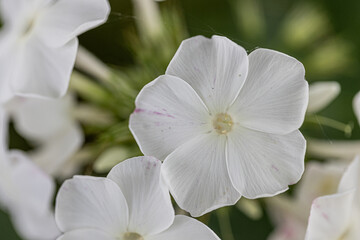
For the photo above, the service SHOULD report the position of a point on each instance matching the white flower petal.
(168, 113)
(275, 94)
(148, 198)
(322, 94)
(8, 58)
(186, 228)
(43, 71)
(91, 202)
(356, 106)
(216, 68)
(319, 179)
(262, 164)
(11, 10)
(31, 187)
(88, 234)
(41, 119)
(351, 179)
(330, 216)
(63, 20)
(197, 175)
(27, 192)
(32, 225)
(57, 152)
(3, 134)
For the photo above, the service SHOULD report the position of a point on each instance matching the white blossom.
(50, 125)
(26, 193)
(290, 214)
(38, 43)
(132, 203)
(337, 216)
(225, 123)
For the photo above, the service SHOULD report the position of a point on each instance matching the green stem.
(317, 119)
(225, 224)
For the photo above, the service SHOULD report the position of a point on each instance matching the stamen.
(223, 123)
(132, 236)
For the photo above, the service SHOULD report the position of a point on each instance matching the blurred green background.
(323, 34)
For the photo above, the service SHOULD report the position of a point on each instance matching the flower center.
(132, 236)
(223, 123)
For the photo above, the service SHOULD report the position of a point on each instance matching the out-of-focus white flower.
(337, 216)
(225, 124)
(148, 19)
(26, 192)
(321, 94)
(132, 203)
(49, 123)
(291, 214)
(38, 43)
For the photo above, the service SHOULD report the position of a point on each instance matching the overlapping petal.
(321, 94)
(41, 119)
(58, 151)
(356, 106)
(8, 61)
(216, 68)
(148, 198)
(11, 9)
(351, 180)
(185, 228)
(3, 134)
(330, 216)
(90, 202)
(50, 76)
(26, 193)
(32, 225)
(198, 177)
(29, 186)
(318, 180)
(168, 113)
(63, 20)
(262, 164)
(275, 94)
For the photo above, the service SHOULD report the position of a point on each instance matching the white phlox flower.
(290, 214)
(225, 123)
(38, 43)
(337, 216)
(132, 203)
(26, 193)
(51, 126)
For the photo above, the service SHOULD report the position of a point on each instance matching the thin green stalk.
(317, 119)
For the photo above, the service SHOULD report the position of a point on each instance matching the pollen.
(132, 236)
(223, 123)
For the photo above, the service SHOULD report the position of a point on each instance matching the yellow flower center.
(132, 236)
(223, 123)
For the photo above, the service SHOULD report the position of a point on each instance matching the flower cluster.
(220, 124)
